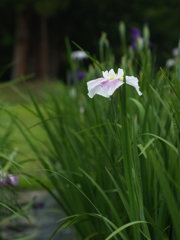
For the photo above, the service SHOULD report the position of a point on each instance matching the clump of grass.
(113, 163)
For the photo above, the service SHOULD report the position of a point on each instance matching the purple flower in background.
(79, 75)
(12, 180)
(135, 33)
(8, 180)
(137, 38)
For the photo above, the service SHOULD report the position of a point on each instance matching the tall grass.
(10, 170)
(9, 206)
(113, 163)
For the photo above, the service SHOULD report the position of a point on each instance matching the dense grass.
(113, 163)
(14, 97)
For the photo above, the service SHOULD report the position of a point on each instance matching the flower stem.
(127, 158)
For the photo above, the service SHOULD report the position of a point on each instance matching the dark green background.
(83, 21)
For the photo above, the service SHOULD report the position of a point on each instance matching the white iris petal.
(120, 72)
(112, 75)
(134, 83)
(105, 74)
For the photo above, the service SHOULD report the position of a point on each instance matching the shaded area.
(44, 215)
(32, 32)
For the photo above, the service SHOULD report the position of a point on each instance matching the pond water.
(43, 219)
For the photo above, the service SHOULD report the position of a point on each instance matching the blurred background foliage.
(32, 32)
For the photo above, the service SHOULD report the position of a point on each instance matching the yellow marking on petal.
(111, 78)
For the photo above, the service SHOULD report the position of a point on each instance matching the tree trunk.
(21, 47)
(54, 45)
(42, 70)
(55, 61)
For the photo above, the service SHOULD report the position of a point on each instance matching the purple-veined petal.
(105, 89)
(98, 90)
(133, 81)
(111, 86)
(94, 86)
(94, 83)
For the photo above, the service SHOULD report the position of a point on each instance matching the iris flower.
(107, 85)
(79, 75)
(79, 55)
(135, 34)
(137, 39)
(172, 61)
(8, 180)
(12, 180)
